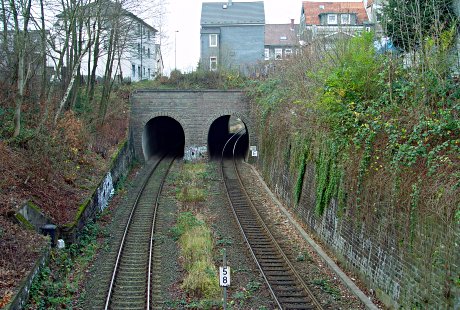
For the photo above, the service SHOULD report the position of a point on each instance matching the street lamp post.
(175, 50)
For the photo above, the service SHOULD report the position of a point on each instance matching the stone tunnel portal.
(163, 134)
(221, 130)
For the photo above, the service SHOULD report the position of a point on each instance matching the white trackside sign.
(224, 276)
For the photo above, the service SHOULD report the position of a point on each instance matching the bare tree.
(21, 13)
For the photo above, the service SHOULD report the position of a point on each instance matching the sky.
(182, 48)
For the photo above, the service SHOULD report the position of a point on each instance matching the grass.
(190, 184)
(195, 238)
(326, 286)
(196, 246)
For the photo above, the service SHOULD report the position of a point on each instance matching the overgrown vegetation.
(57, 165)
(58, 284)
(381, 132)
(195, 238)
(195, 80)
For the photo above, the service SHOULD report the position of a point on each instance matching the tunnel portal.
(221, 130)
(162, 135)
(204, 117)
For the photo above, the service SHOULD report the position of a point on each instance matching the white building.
(136, 54)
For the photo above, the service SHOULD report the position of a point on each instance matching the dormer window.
(332, 19)
(283, 38)
(321, 7)
(345, 19)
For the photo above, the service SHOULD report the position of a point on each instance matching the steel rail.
(153, 232)
(267, 232)
(123, 239)
(241, 227)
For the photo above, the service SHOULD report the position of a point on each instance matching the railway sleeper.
(299, 293)
(276, 269)
(278, 273)
(129, 291)
(306, 307)
(295, 300)
(279, 282)
(288, 288)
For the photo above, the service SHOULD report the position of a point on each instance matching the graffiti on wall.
(195, 153)
(105, 192)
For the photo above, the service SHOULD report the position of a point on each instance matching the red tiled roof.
(313, 9)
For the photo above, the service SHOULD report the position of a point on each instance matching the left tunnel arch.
(163, 134)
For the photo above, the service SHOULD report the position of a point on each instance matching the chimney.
(292, 24)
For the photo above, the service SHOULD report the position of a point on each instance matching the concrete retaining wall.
(22, 296)
(99, 199)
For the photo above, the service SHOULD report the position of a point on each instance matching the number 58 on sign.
(224, 276)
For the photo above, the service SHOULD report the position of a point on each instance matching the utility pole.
(175, 49)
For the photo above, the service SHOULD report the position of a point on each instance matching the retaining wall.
(98, 201)
(424, 276)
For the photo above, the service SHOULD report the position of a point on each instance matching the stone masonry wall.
(194, 110)
(400, 278)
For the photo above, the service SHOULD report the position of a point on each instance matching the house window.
(138, 48)
(148, 35)
(133, 74)
(143, 48)
(213, 63)
(278, 53)
(149, 73)
(213, 40)
(332, 19)
(148, 53)
(288, 52)
(139, 72)
(144, 72)
(345, 19)
(267, 54)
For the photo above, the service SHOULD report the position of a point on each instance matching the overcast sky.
(184, 16)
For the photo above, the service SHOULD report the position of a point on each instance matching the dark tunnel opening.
(220, 131)
(163, 135)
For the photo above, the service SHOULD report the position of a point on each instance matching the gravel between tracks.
(248, 290)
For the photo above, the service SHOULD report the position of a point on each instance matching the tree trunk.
(44, 83)
(92, 80)
(106, 88)
(20, 45)
(73, 77)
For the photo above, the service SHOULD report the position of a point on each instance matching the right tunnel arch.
(220, 130)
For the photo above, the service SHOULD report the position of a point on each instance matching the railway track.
(132, 285)
(285, 284)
